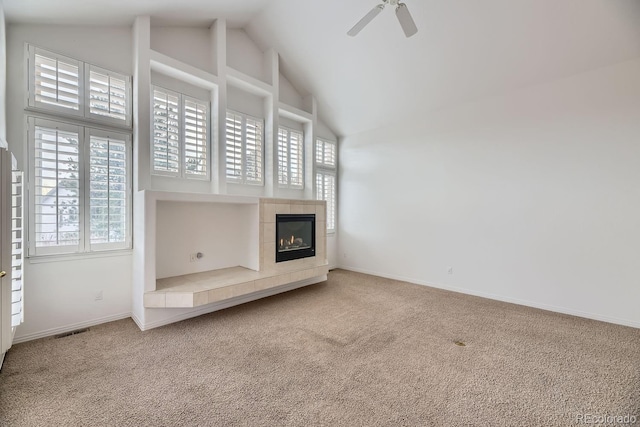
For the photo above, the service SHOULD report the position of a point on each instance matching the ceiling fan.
(402, 12)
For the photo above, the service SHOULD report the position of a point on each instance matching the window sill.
(38, 259)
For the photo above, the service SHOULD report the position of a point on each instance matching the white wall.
(289, 94)
(192, 46)
(531, 197)
(3, 78)
(244, 55)
(61, 295)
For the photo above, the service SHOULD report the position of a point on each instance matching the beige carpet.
(356, 350)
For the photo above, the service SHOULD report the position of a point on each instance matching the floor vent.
(68, 334)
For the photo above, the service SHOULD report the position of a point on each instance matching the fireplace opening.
(295, 236)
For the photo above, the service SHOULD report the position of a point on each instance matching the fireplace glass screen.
(295, 236)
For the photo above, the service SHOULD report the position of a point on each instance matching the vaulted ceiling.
(464, 50)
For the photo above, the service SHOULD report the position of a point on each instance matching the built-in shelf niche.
(226, 234)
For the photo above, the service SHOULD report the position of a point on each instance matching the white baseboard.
(69, 328)
(556, 309)
(209, 308)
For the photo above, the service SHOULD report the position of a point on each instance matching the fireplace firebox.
(295, 236)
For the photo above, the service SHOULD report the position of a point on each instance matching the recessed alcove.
(236, 237)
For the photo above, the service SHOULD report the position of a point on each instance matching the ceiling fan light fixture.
(365, 20)
(402, 12)
(405, 20)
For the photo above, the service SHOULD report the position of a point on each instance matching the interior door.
(6, 334)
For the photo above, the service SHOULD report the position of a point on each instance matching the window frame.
(84, 133)
(288, 184)
(181, 173)
(242, 179)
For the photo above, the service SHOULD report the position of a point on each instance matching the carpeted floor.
(356, 350)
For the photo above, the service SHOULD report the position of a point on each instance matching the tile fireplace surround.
(213, 286)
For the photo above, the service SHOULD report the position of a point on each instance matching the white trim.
(209, 308)
(179, 70)
(71, 327)
(41, 259)
(495, 297)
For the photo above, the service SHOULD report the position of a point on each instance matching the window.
(244, 148)
(81, 186)
(290, 158)
(326, 162)
(180, 135)
(66, 86)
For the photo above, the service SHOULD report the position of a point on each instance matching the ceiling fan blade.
(364, 21)
(405, 19)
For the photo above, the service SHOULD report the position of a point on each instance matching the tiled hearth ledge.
(197, 289)
(193, 290)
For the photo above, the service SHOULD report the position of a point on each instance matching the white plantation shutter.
(108, 95)
(283, 156)
(234, 147)
(326, 190)
(253, 150)
(290, 158)
(196, 137)
(244, 136)
(326, 165)
(57, 187)
(166, 132)
(326, 153)
(54, 81)
(296, 158)
(108, 190)
(17, 256)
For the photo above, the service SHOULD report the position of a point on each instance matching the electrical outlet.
(450, 270)
(99, 296)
